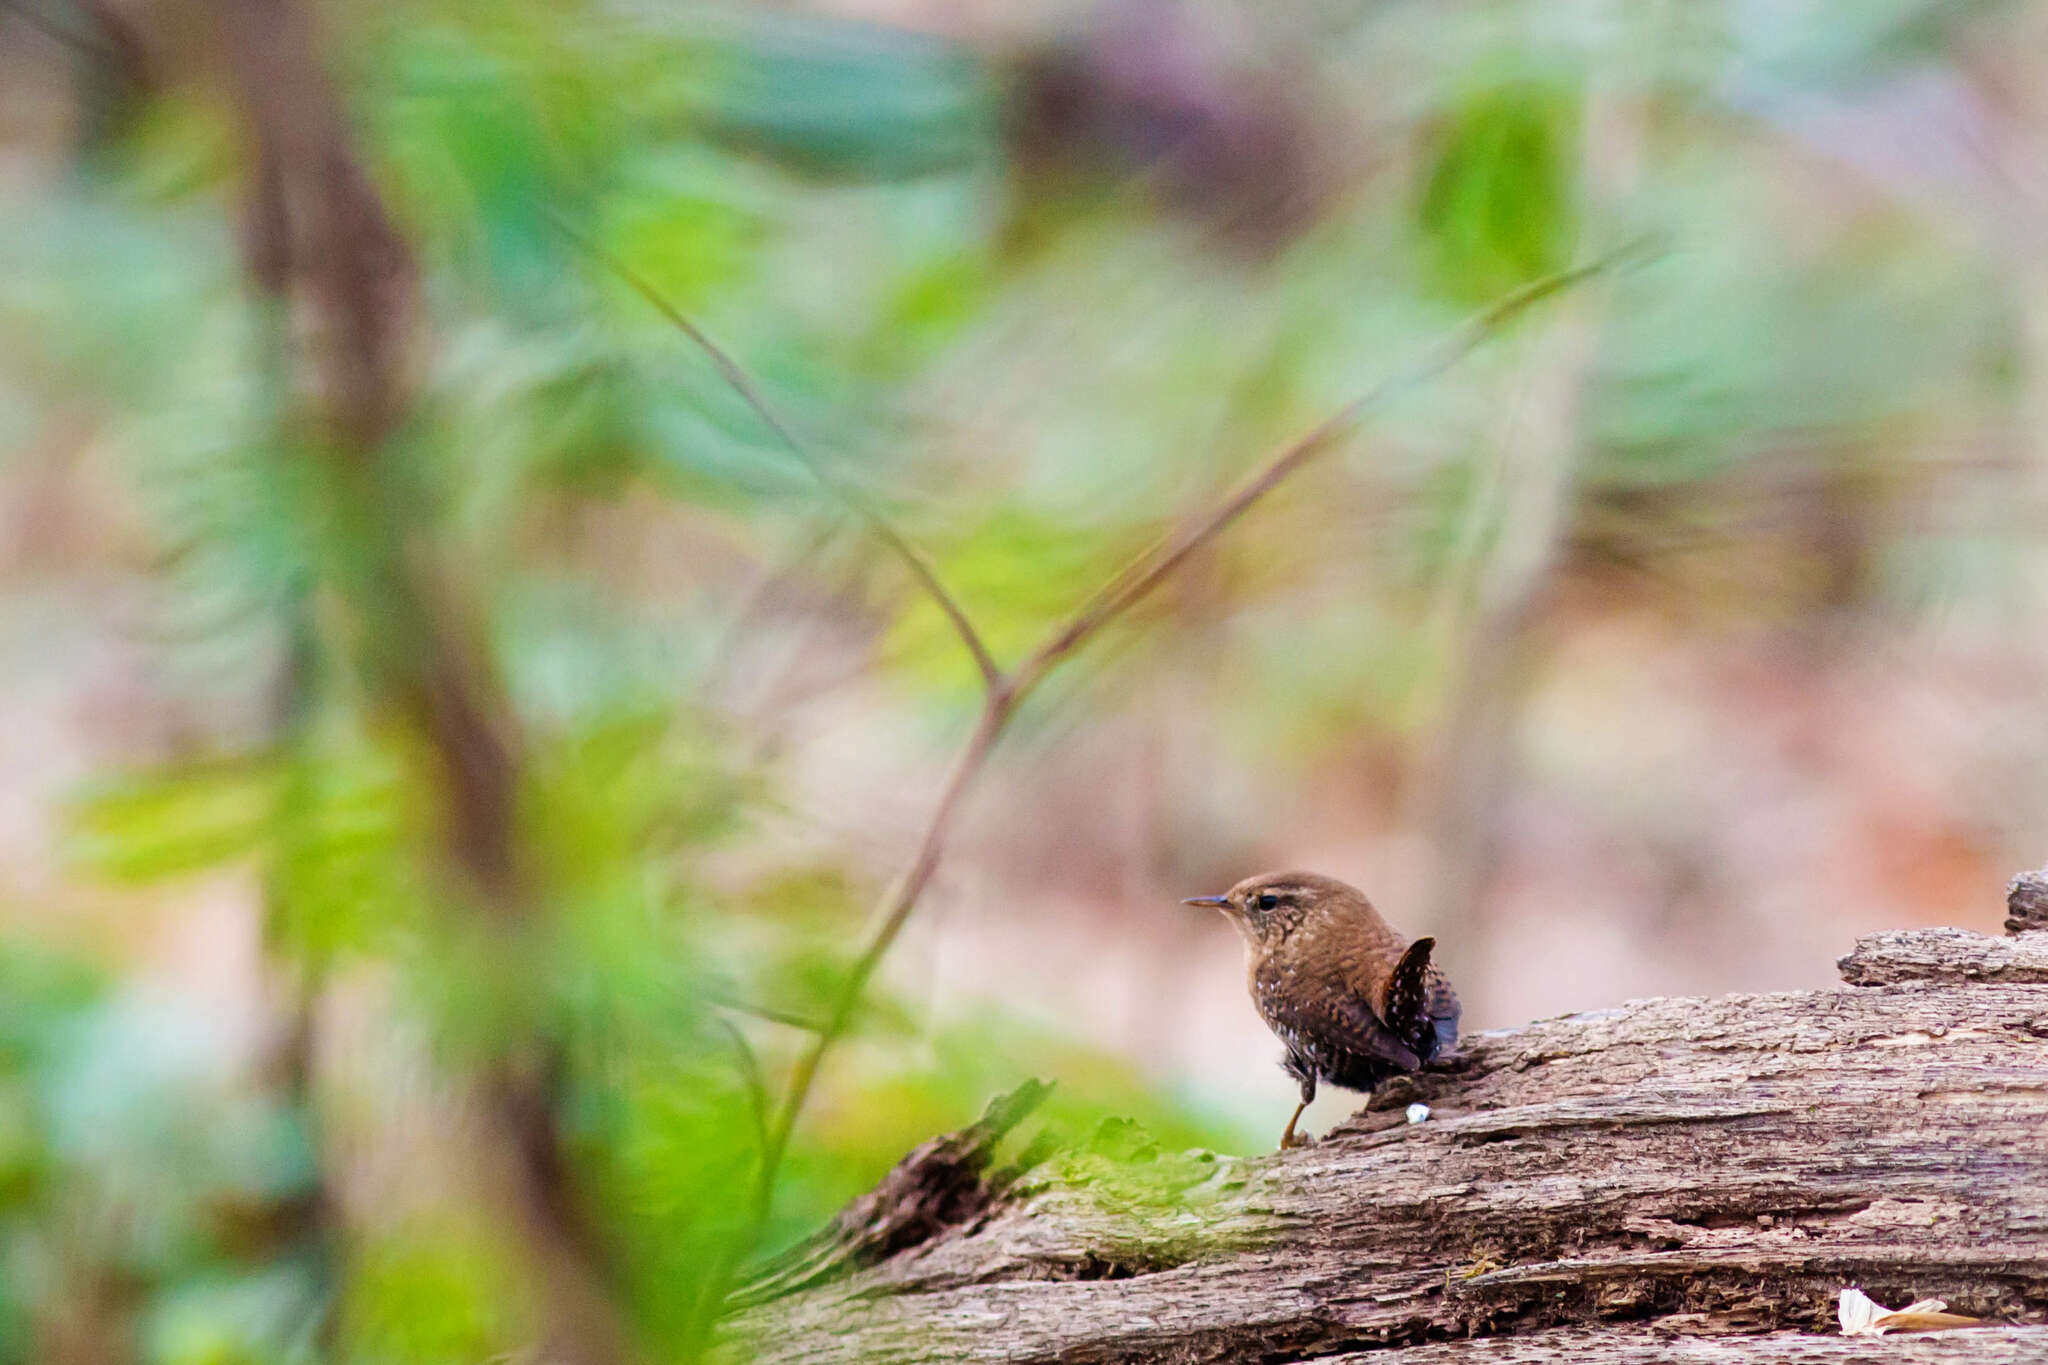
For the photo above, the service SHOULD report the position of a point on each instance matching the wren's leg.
(1308, 1093)
(1290, 1138)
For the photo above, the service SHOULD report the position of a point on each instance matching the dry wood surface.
(1675, 1179)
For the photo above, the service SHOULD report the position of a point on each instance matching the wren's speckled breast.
(1353, 1002)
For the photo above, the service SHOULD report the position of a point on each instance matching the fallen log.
(1672, 1180)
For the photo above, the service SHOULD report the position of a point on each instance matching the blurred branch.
(115, 69)
(1124, 589)
(315, 224)
(844, 489)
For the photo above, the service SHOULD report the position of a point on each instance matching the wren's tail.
(1410, 1008)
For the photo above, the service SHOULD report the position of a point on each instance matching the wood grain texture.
(1632, 1346)
(1719, 1169)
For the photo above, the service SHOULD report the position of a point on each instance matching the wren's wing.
(1418, 1004)
(1336, 1020)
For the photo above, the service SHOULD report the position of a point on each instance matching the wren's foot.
(1290, 1138)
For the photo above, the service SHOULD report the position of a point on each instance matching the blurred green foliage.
(145, 1196)
(1035, 382)
(1499, 205)
(434, 1291)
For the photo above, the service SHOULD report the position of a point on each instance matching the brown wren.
(1353, 1003)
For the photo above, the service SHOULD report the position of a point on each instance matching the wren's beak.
(1218, 901)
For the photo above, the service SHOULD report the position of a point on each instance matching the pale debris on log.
(1862, 1316)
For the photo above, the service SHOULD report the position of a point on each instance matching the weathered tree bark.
(1686, 1180)
(2026, 903)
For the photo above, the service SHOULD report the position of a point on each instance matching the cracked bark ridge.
(1955, 955)
(938, 1187)
(2026, 902)
(1673, 1179)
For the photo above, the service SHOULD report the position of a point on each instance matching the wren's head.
(1269, 907)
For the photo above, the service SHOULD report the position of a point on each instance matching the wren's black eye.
(1267, 900)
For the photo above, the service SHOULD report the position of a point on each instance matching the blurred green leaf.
(149, 827)
(430, 1290)
(179, 147)
(1498, 206)
(353, 854)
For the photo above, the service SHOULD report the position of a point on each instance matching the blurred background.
(450, 746)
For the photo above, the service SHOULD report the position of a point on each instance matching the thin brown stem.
(1126, 587)
(803, 1023)
(840, 487)
(891, 916)
(894, 913)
